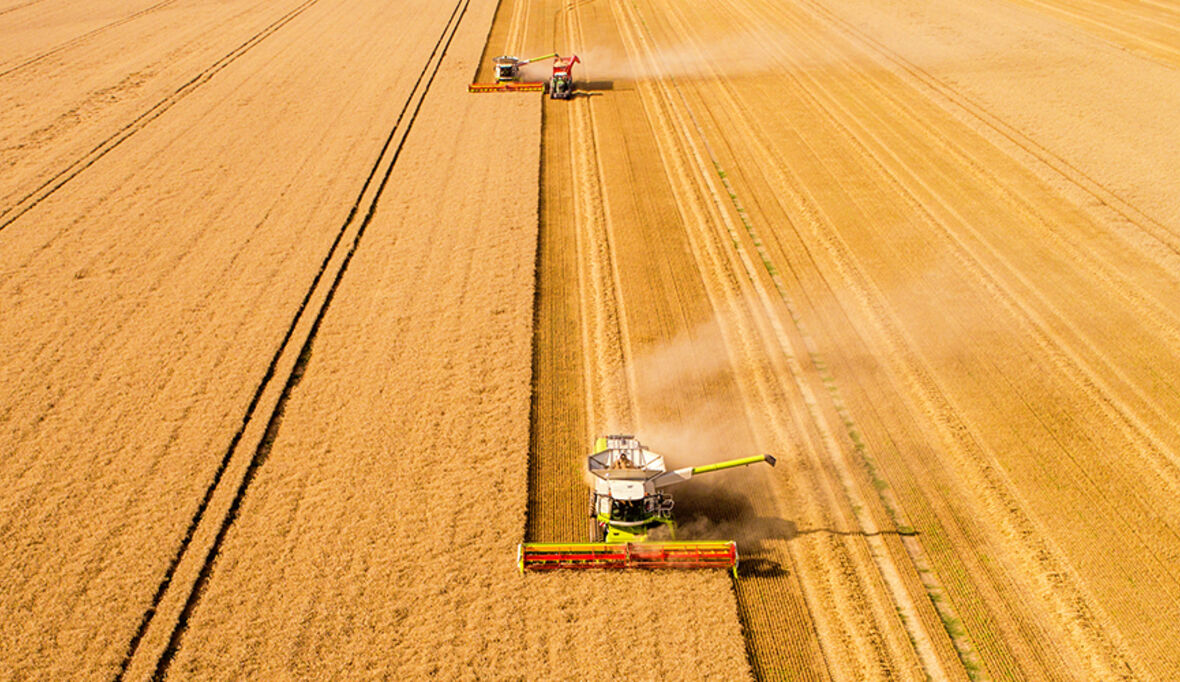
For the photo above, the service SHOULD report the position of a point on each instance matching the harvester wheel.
(594, 531)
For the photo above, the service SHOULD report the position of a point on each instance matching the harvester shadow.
(596, 86)
(760, 567)
(861, 533)
(720, 513)
(724, 513)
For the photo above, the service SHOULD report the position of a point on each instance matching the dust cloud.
(744, 53)
(690, 414)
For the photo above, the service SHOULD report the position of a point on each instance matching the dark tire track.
(367, 201)
(20, 6)
(47, 188)
(1148, 225)
(77, 40)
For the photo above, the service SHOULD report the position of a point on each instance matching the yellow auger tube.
(530, 60)
(769, 459)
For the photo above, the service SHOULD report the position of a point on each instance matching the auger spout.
(530, 60)
(680, 475)
(733, 463)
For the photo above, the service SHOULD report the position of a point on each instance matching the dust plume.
(691, 414)
(743, 53)
(537, 71)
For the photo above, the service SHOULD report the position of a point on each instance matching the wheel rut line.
(881, 555)
(77, 40)
(20, 6)
(606, 383)
(969, 107)
(1071, 363)
(1087, 19)
(871, 650)
(611, 385)
(512, 40)
(835, 647)
(1077, 612)
(320, 288)
(26, 203)
(275, 421)
(1066, 356)
(948, 612)
(740, 352)
(894, 511)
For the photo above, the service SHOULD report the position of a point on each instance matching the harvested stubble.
(962, 217)
(380, 534)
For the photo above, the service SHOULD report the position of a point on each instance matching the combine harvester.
(561, 83)
(508, 76)
(627, 504)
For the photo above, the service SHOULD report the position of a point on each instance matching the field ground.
(301, 338)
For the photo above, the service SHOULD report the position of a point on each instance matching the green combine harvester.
(627, 504)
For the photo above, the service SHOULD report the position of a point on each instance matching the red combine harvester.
(561, 84)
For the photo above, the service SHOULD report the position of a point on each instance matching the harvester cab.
(561, 83)
(629, 502)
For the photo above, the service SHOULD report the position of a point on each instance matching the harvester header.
(547, 556)
(627, 504)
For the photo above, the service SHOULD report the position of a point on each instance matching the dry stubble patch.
(144, 301)
(380, 533)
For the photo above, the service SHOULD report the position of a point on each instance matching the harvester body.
(507, 71)
(628, 502)
(561, 83)
(507, 68)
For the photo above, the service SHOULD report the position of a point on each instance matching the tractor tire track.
(1119, 28)
(857, 129)
(1166, 242)
(288, 363)
(608, 391)
(806, 214)
(19, 6)
(758, 151)
(1068, 356)
(610, 381)
(12, 213)
(1162, 318)
(870, 586)
(804, 207)
(1087, 374)
(1069, 595)
(82, 38)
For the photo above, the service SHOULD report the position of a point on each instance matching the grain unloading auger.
(508, 76)
(627, 504)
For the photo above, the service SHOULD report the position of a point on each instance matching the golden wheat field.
(301, 339)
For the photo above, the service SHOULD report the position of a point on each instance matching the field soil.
(927, 256)
(301, 339)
